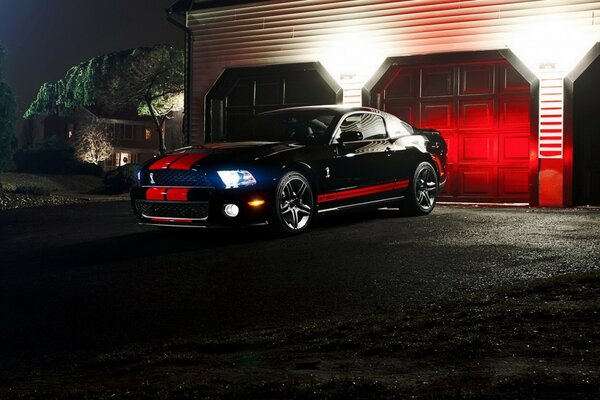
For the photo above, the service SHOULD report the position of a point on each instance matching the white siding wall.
(273, 32)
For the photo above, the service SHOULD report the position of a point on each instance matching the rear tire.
(294, 207)
(422, 193)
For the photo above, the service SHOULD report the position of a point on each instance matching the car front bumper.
(200, 207)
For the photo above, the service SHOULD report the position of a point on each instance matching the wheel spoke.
(304, 207)
(427, 198)
(288, 192)
(303, 211)
(295, 220)
(301, 191)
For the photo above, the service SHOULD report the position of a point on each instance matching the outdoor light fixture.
(352, 57)
(552, 44)
(237, 178)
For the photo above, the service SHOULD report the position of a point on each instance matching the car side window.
(371, 126)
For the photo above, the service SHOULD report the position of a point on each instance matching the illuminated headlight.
(233, 179)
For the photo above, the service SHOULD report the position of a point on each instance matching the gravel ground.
(535, 340)
(10, 200)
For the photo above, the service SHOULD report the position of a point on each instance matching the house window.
(148, 134)
(128, 133)
(122, 158)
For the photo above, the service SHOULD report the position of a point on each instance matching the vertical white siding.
(293, 31)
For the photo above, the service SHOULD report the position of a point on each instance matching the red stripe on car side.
(187, 161)
(177, 194)
(347, 194)
(156, 193)
(164, 162)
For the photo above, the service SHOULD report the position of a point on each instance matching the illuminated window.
(148, 134)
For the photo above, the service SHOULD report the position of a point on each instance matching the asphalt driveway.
(87, 276)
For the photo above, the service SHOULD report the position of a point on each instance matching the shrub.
(121, 179)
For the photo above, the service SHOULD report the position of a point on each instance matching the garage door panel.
(451, 138)
(477, 182)
(477, 80)
(514, 147)
(476, 113)
(408, 112)
(268, 93)
(438, 115)
(513, 183)
(477, 148)
(511, 80)
(482, 110)
(514, 112)
(592, 177)
(404, 85)
(437, 82)
(451, 183)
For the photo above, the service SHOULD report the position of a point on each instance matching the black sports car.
(284, 167)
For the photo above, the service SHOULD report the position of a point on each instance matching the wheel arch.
(305, 169)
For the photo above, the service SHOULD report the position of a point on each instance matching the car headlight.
(233, 179)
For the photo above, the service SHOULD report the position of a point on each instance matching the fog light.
(231, 210)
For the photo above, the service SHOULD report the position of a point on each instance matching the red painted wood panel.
(483, 111)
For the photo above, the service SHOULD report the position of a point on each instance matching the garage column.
(551, 150)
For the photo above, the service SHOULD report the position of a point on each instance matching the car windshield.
(307, 126)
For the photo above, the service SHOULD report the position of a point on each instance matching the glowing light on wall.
(352, 58)
(551, 46)
(552, 43)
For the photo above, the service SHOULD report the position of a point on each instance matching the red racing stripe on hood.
(186, 162)
(163, 163)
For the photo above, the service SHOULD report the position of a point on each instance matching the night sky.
(44, 38)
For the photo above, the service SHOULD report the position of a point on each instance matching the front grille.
(188, 210)
(175, 177)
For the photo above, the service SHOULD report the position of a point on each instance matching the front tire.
(423, 190)
(294, 204)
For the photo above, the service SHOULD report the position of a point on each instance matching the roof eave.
(184, 6)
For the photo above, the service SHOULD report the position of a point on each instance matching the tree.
(8, 117)
(94, 143)
(145, 80)
(150, 79)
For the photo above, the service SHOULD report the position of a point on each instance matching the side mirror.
(350, 136)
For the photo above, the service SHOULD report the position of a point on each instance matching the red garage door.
(482, 110)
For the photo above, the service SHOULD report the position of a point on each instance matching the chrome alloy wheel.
(426, 188)
(423, 190)
(295, 203)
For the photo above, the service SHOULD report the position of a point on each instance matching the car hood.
(219, 153)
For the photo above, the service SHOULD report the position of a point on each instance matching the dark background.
(44, 38)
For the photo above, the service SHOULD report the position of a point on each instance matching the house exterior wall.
(352, 38)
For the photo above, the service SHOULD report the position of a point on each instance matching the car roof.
(336, 108)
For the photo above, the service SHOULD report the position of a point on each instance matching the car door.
(360, 169)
